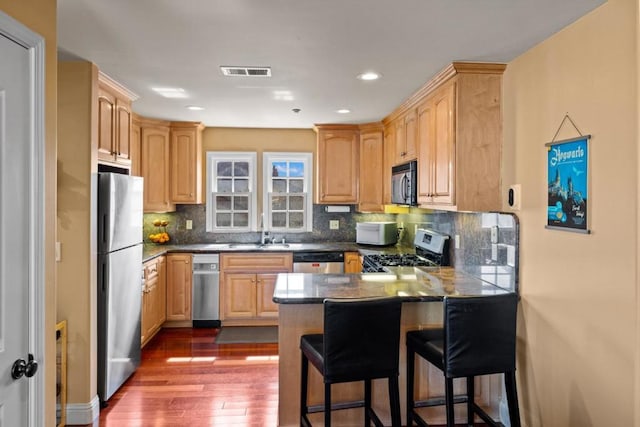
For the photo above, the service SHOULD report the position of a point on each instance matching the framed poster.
(567, 178)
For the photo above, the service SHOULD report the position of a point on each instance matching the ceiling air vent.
(246, 71)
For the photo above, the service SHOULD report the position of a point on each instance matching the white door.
(21, 263)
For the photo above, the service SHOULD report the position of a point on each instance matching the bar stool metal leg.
(327, 405)
(448, 394)
(394, 401)
(470, 393)
(512, 398)
(367, 403)
(304, 377)
(410, 372)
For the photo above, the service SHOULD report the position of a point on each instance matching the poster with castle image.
(567, 173)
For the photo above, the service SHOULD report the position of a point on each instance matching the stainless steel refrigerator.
(119, 279)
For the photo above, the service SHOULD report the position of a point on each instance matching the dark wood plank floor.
(186, 379)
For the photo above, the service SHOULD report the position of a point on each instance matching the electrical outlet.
(334, 224)
(457, 241)
(189, 224)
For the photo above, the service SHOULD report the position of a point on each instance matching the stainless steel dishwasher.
(205, 295)
(318, 262)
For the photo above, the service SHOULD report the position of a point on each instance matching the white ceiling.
(314, 48)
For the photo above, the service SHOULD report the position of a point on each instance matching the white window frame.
(252, 159)
(267, 188)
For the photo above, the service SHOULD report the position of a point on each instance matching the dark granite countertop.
(409, 283)
(151, 250)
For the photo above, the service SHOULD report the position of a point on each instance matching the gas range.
(431, 247)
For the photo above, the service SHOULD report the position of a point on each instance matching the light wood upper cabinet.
(179, 286)
(436, 178)
(154, 165)
(186, 162)
(371, 184)
(114, 123)
(337, 168)
(136, 141)
(406, 137)
(459, 133)
(389, 161)
(247, 282)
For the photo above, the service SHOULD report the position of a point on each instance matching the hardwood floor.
(186, 379)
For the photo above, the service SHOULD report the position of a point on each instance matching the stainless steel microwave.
(404, 184)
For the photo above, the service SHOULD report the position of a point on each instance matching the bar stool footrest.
(336, 406)
(438, 401)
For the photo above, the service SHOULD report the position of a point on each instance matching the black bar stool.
(478, 338)
(360, 342)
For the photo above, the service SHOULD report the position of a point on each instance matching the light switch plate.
(334, 224)
(189, 224)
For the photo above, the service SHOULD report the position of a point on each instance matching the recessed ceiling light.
(343, 111)
(194, 108)
(170, 92)
(282, 95)
(369, 75)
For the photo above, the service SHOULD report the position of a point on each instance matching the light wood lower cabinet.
(154, 296)
(247, 282)
(352, 263)
(179, 287)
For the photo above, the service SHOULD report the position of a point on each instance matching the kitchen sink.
(265, 246)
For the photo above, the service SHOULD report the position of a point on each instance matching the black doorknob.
(31, 368)
(22, 368)
(18, 369)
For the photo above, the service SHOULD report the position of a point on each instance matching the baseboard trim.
(83, 413)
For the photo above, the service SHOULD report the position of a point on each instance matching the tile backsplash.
(481, 251)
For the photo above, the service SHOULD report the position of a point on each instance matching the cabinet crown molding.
(452, 70)
(117, 87)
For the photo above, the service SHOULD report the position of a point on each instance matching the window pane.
(279, 185)
(223, 220)
(223, 203)
(279, 203)
(296, 169)
(296, 203)
(241, 185)
(224, 185)
(279, 169)
(296, 220)
(224, 169)
(240, 219)
(279, 219)
(296, 186)
(241, 203)
(241, 169)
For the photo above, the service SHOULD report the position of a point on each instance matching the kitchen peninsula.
(421, 289)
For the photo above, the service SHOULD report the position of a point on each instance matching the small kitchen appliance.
(404, 184)
(377, 233)
(432, 250)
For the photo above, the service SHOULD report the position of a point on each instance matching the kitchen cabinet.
(114, 123)
(154, 165)
(186, 162)
(406, 137)
(459, 133)
(179, 287)
(388, 162)
(247, 282)
(352, 262)
(337, 167)
(136, 140)
(437, 150)
(154, 296)
(371, 175)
